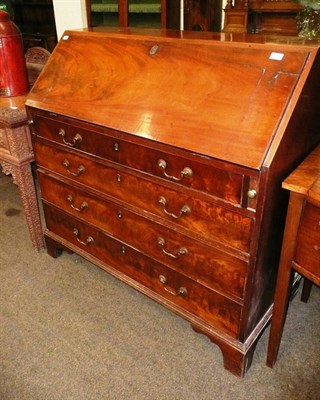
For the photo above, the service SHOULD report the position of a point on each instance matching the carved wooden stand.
(16, 156)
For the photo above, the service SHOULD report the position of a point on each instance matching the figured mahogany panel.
(185, 293)
(226, 101)
(206, 264)
(122, 184)
(107, 145)
(220, 227)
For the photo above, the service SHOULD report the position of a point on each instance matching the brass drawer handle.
(77, 138)
(79, 171)
(182, 251)
(185, 210)
(185, 173)
(77, 234)
(182, 291)
(83, 205)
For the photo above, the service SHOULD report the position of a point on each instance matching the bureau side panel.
(301, 135)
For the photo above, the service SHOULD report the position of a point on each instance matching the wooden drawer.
(191, 172)
(308, 242)
(206, 264)
(210, 220)
(173, 287)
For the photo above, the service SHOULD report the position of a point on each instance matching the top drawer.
(110, 145)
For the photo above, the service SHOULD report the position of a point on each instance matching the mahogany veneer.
(160, 158)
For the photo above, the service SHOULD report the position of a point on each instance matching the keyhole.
(154, 49)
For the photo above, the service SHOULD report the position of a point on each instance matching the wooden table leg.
(306, 290)
(22, 177)
(284, 280)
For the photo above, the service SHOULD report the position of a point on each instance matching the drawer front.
(206, 264)
(308, 242)
(106, 144)
(213, 222)
(173, 287)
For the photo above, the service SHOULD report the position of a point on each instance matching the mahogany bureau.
(160, 157)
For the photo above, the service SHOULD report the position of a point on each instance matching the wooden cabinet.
(262, 16)
(170, 178)
(36, 21)
(273, 17)
(199, 15)
(124, 13)
(203, 15)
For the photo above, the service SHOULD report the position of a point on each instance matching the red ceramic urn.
(13, 71)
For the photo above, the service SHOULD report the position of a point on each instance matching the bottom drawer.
(209, 306)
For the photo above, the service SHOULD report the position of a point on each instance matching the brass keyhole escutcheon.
(154, 49)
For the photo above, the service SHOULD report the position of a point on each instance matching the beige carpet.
(70, 331)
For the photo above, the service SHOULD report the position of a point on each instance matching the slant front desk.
(160, 157)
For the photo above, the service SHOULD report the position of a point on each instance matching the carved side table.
(16, 156)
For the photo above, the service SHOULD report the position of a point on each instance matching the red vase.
(13, 70)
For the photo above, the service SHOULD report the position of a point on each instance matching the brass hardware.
(182, 291)
(123, 250)
(185, 173)
(83, 205)
(88, 240)
(116, 146)
(119, 213)
(182, 251)
(154, 49)
(79, 171)
(252, 194)
(118, 178)
(30, 123)
(77, 138)
(185, 210)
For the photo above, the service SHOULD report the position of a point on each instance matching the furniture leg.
(284, 277)
(22, 176)
(306, 289)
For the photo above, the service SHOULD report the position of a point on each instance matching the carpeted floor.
(70, 331)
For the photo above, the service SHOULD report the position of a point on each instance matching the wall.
(69, 14)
